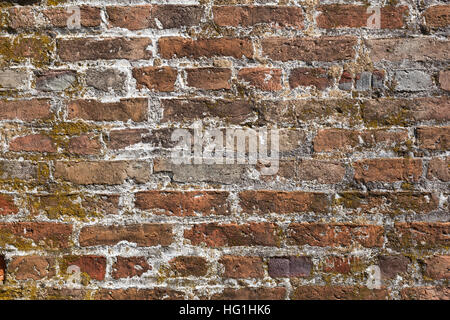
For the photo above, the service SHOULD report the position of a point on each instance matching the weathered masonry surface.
(86, 182)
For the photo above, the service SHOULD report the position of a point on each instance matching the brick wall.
(92, 207)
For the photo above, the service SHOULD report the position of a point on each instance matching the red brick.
(282, 202)
(72, 50)
(266, 79)
(388, 170)
(303, 111)
(144, 235)
(145, 16)
(335, 234)
(434, 138)
(338, 293)
(33, 143)
(20, 18)
(227, 235)
(391, 266)
(185, 266)
(346, 80)
(44, 234)
(444, 80)
(261, 293)
(156, 78)
(37, 49)
(58, 17)
(316, 77)
(281, 267)
(86, 177)
(102, 172)
(242, 267)
(404, 112)
(31, 267)
(103, 204)
(309, 49)
(7, 205)
(138, 294)
(87, 144)
(437, 267)
(183, 203)
(437, 16)
(413, 49)
(247, 16)
(233, 111)
(209, 78)
(124, 110)
(355, 16)
(425, 293)
(93, 266)
(26, 110)
(119, 139)
(392, 203)
(407, 235)
(161, 138)
(439, 169)
(73, 205)
(55, 293)
(169, 47)
(2, 269)
(130, 17)
(324, 172)
(337, 264)
(292, 139)
(128, 267)
(331, 140)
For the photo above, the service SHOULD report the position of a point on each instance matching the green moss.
(9, 93)
(6, 4)
(351, 200)
(43, 172)
(398, 118)
(59, 295)
(36, 48)
(407, 186)
(22, 244)
(60, 133)
(64, 264)
(327, 278)
(71, 128)
(4, 18)
(27, 291)
(18, 185)
(76, 89)
(392, 3)
(55, 2)
(63, 205)
(11, 293)
(163, 274)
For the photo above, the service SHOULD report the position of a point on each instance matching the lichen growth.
(55, 2)
(37, 48)
(63, 205)
(7, 238)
